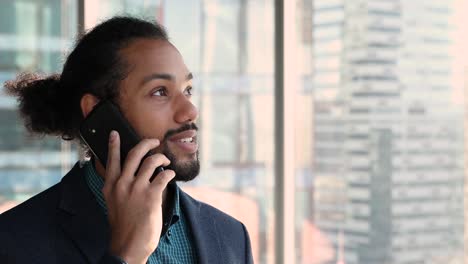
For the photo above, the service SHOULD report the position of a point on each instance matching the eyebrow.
(163, 76)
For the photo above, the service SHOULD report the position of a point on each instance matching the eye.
(188, 90)
(161, 91)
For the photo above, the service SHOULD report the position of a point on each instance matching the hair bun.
(40, 103)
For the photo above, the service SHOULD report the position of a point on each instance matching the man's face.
(155, 97)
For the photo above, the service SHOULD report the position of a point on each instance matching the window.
(34, 35)
(374, 108)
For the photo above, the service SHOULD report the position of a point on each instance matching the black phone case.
(96, 128)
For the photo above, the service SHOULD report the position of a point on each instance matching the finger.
(113, 158)
(160, 182)
(134, 157)
(149, 166)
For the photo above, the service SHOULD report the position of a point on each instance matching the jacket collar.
(203, 227)
(80, 216)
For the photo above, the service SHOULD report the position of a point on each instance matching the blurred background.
(378, 120)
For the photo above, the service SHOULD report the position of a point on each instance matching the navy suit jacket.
(64, 224)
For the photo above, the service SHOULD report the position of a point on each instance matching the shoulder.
(38, 214)
(227, 235)
(205, 208)
(29, 223)
(32, 210)
(213, 216)
(33, 229)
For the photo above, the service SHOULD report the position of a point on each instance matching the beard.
(185, 170)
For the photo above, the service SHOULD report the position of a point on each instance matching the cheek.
(151, 123)
(149, 119)
(151, 127)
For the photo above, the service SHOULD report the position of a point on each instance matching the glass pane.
(383, 92)
(34, 35)
(228, 45)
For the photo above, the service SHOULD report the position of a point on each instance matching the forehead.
(150, 56)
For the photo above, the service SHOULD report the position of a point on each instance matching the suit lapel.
(204, 229)
(80, 216)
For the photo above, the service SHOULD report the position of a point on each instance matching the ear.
(87, 103)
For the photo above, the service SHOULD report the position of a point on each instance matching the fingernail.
(112, 136)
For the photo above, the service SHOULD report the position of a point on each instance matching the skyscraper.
(388, 165)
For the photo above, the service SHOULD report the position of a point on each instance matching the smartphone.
(96, 127)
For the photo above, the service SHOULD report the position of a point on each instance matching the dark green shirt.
(176, 242)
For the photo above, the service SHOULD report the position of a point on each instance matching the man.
(113, 213)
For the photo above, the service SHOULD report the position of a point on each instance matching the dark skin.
(155, 97)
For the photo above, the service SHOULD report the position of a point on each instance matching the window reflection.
(33, 37)
(387, 110)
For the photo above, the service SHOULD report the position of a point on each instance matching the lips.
(186, 134)
(186, 141)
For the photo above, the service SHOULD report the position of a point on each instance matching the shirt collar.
(96, 183)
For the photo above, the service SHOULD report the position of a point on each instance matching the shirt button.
(169, 233)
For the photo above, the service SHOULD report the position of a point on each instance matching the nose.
(186, 111)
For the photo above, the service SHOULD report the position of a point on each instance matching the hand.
(134, 203)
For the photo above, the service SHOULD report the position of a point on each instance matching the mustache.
(171, 132)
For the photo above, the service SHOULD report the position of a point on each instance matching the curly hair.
(51, 104)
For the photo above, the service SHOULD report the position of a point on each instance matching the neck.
(102, 172)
